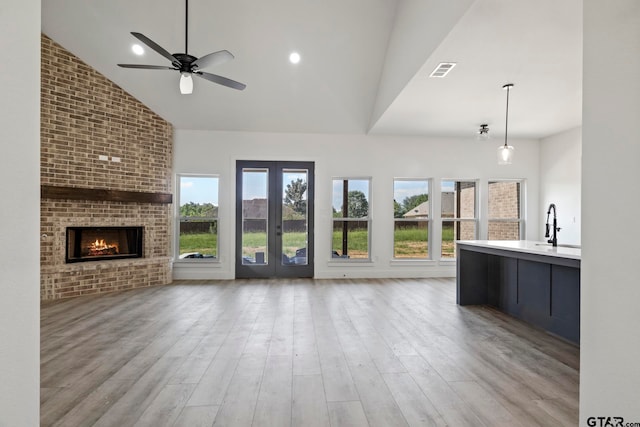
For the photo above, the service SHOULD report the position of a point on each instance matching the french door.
(274, 219)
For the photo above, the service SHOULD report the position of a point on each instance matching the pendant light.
(505, 152)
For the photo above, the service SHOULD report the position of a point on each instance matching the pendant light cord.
(186, 27)
(506, 120)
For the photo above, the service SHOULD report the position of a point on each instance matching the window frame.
(179, 219)
(522, 199)
(428, 220)
(475, 219)
(368, 220)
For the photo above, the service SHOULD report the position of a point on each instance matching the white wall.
(560, 182)
(380, 157)
(417, 32)
(610, 342)
(20, 214)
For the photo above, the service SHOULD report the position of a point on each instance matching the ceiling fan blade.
(212, 59)
(221, 80)
(146, 67)
(155, 46)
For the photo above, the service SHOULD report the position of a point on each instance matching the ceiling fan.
(186, 64)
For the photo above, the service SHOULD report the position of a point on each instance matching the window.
(459, 214)
(411, 213)
(197, 218)
(351, 218)
(505, 210)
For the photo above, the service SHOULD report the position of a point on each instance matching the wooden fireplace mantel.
(75, 193)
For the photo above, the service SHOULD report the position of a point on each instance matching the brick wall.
(467, 200)
(504, 202)
(503, 230)
(504, 199)
(467, 210)
(83, 116)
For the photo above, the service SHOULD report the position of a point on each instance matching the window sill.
(197, 262)
(411, 262)
(350, 262)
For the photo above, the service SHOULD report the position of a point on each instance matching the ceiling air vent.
(442, 69)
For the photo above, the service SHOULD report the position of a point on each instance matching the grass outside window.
(411, 240)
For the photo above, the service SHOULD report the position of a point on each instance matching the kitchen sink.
(560, 245)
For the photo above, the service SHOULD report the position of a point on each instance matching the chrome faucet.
(554, 239)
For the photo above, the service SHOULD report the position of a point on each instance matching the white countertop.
(526, 246)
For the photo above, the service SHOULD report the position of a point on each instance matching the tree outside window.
(351, 219)
(295, 197)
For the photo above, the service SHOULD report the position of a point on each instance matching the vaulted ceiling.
(365, 63)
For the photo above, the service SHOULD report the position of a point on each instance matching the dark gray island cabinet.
(532, 281)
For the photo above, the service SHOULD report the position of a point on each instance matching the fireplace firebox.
(103, 243)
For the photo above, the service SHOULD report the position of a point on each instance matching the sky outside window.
(198, 190)
(408, 188)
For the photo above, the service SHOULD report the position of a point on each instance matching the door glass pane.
(294, 217)
(255, 214)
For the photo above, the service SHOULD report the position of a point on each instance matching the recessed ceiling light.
(442, 69)
(137, 49)
(294, 58)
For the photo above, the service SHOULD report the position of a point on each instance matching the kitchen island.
(532, 281)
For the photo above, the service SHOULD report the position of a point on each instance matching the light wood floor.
(302, 353)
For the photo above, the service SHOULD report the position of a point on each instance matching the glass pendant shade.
(186, 84)
(505, 154)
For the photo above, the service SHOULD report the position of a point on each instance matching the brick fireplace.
(105, 162)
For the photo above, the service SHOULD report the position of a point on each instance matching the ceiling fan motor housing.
(185, 62)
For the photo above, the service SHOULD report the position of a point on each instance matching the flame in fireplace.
(100, 247)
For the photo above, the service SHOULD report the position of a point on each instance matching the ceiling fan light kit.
(186, 64)
(137, 49)
(186, 84)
